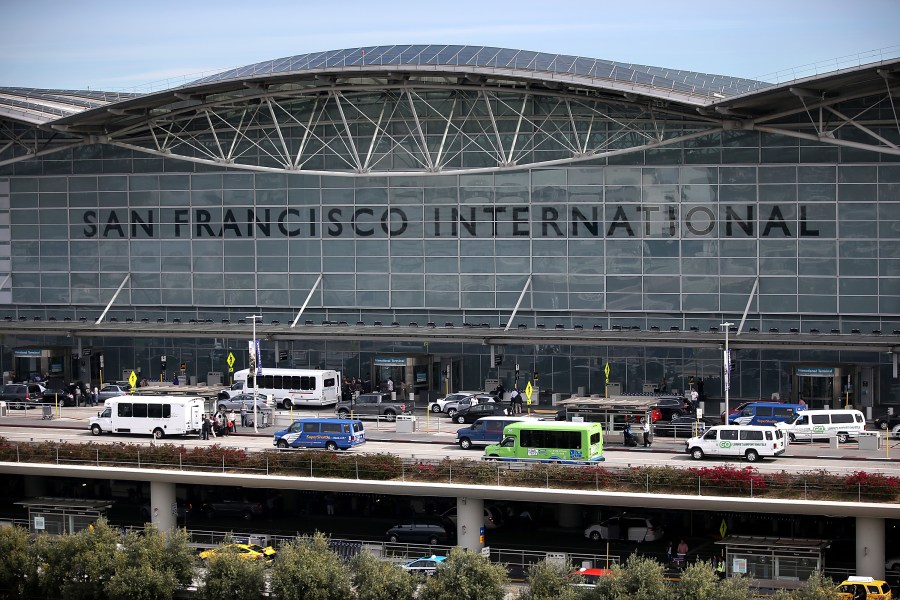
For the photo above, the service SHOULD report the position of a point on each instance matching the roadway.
(434, 440)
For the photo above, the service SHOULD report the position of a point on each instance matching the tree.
(640, 579)
(735, 588)
(698, 582)
(152, 564)
(228, 575)
(817, 587)
(550, 581)
(466, 576)
(307, 569)
(376, 579)
(14, 566)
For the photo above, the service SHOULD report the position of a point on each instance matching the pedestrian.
(244, 421)
(403, 391)
(720, 567)
(669, 552)
(175, 379)
(681, 552)
(663, 386)
(232, 421)
(77, 395)
(390, 385)
(700, 393)
(204, 428)
(329, 504)
(515, 401)
(95, 396)
(695, 397)
(646, 429)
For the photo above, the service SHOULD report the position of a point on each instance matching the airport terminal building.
(449, 215)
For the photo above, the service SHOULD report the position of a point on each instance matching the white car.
(439, 405)
(427, 565)
(630, 528)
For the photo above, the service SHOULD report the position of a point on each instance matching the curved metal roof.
(500, 58)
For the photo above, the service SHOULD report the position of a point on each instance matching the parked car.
(20, 394)
(423, 531)
(887, 422)
(452, 407)
(863, 588)
(673, 406)
(377, 405)
(234, 403)
(112, 390)
(631, 528)
(493, 517)
(54, 395)
(588, 578)
(684, 427)
(245, 509)
(473, 413)
(439, 405)
(427, 565)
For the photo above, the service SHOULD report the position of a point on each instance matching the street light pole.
(256, 374)
(727, 370)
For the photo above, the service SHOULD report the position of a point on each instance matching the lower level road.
(437, 446)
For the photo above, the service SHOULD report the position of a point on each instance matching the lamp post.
(727, 371)
(256, 374)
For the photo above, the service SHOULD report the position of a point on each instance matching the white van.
(750, 441)
(158, 416)
(843, 423)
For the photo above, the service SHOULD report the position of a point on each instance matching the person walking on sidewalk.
(646, 429)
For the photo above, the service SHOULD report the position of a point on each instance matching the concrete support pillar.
(34, 486)
(870, 547)
(163, 510)
(470, 523)
(568, 515)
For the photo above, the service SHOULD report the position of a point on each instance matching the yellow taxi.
(863, 588)
(245, 551)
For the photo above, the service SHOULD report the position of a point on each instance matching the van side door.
(311, 437)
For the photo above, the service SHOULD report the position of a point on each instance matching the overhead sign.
(27, 353)
(390, 361)
(815, 371)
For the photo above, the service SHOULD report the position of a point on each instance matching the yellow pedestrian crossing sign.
(606, 372)
(722, 529)
(528, 391)
(132, 380)
(230, 360)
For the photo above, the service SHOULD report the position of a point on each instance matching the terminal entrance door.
(817, 386)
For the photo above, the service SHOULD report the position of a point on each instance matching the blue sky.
(140, 46)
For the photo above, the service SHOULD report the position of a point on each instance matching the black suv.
(21, 393)
(424, 531)
(673, 406)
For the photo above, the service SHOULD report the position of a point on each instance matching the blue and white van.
(485, 431)
(766, 413)
(330, 434)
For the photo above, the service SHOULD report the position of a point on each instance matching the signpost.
(606, 372)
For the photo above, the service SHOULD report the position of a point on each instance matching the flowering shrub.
(717, 480)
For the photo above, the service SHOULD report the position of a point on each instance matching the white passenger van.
(843, 423)
(158, 416)
(749, 441)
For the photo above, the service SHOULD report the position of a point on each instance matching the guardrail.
(724, 480)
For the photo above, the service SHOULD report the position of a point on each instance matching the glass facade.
(803, 235)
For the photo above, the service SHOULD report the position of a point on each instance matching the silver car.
(236, 401)
(112, 390)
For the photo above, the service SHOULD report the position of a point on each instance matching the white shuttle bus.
(158, 416)
(294, 387)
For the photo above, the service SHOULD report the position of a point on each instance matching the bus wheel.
(696, 453)
(752, 455)
(286, 404)
(158, 433)
(282, 444)
(331, 446)
(95, 429)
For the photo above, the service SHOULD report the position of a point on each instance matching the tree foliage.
(307, 569)
(14, 563)
(551, 581)
(230, 576)
(641, 578)
(375, 579)
(466, 576)
(152, 564)
(817, 587)
(699, 581)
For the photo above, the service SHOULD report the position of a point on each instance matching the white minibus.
(158, 416)
(294, 387)
(843, 423)
(748, 441)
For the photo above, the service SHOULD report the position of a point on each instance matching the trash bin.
(869, 440)
(46, 411)
(406, 424)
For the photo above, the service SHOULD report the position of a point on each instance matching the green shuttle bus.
(549, 441)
